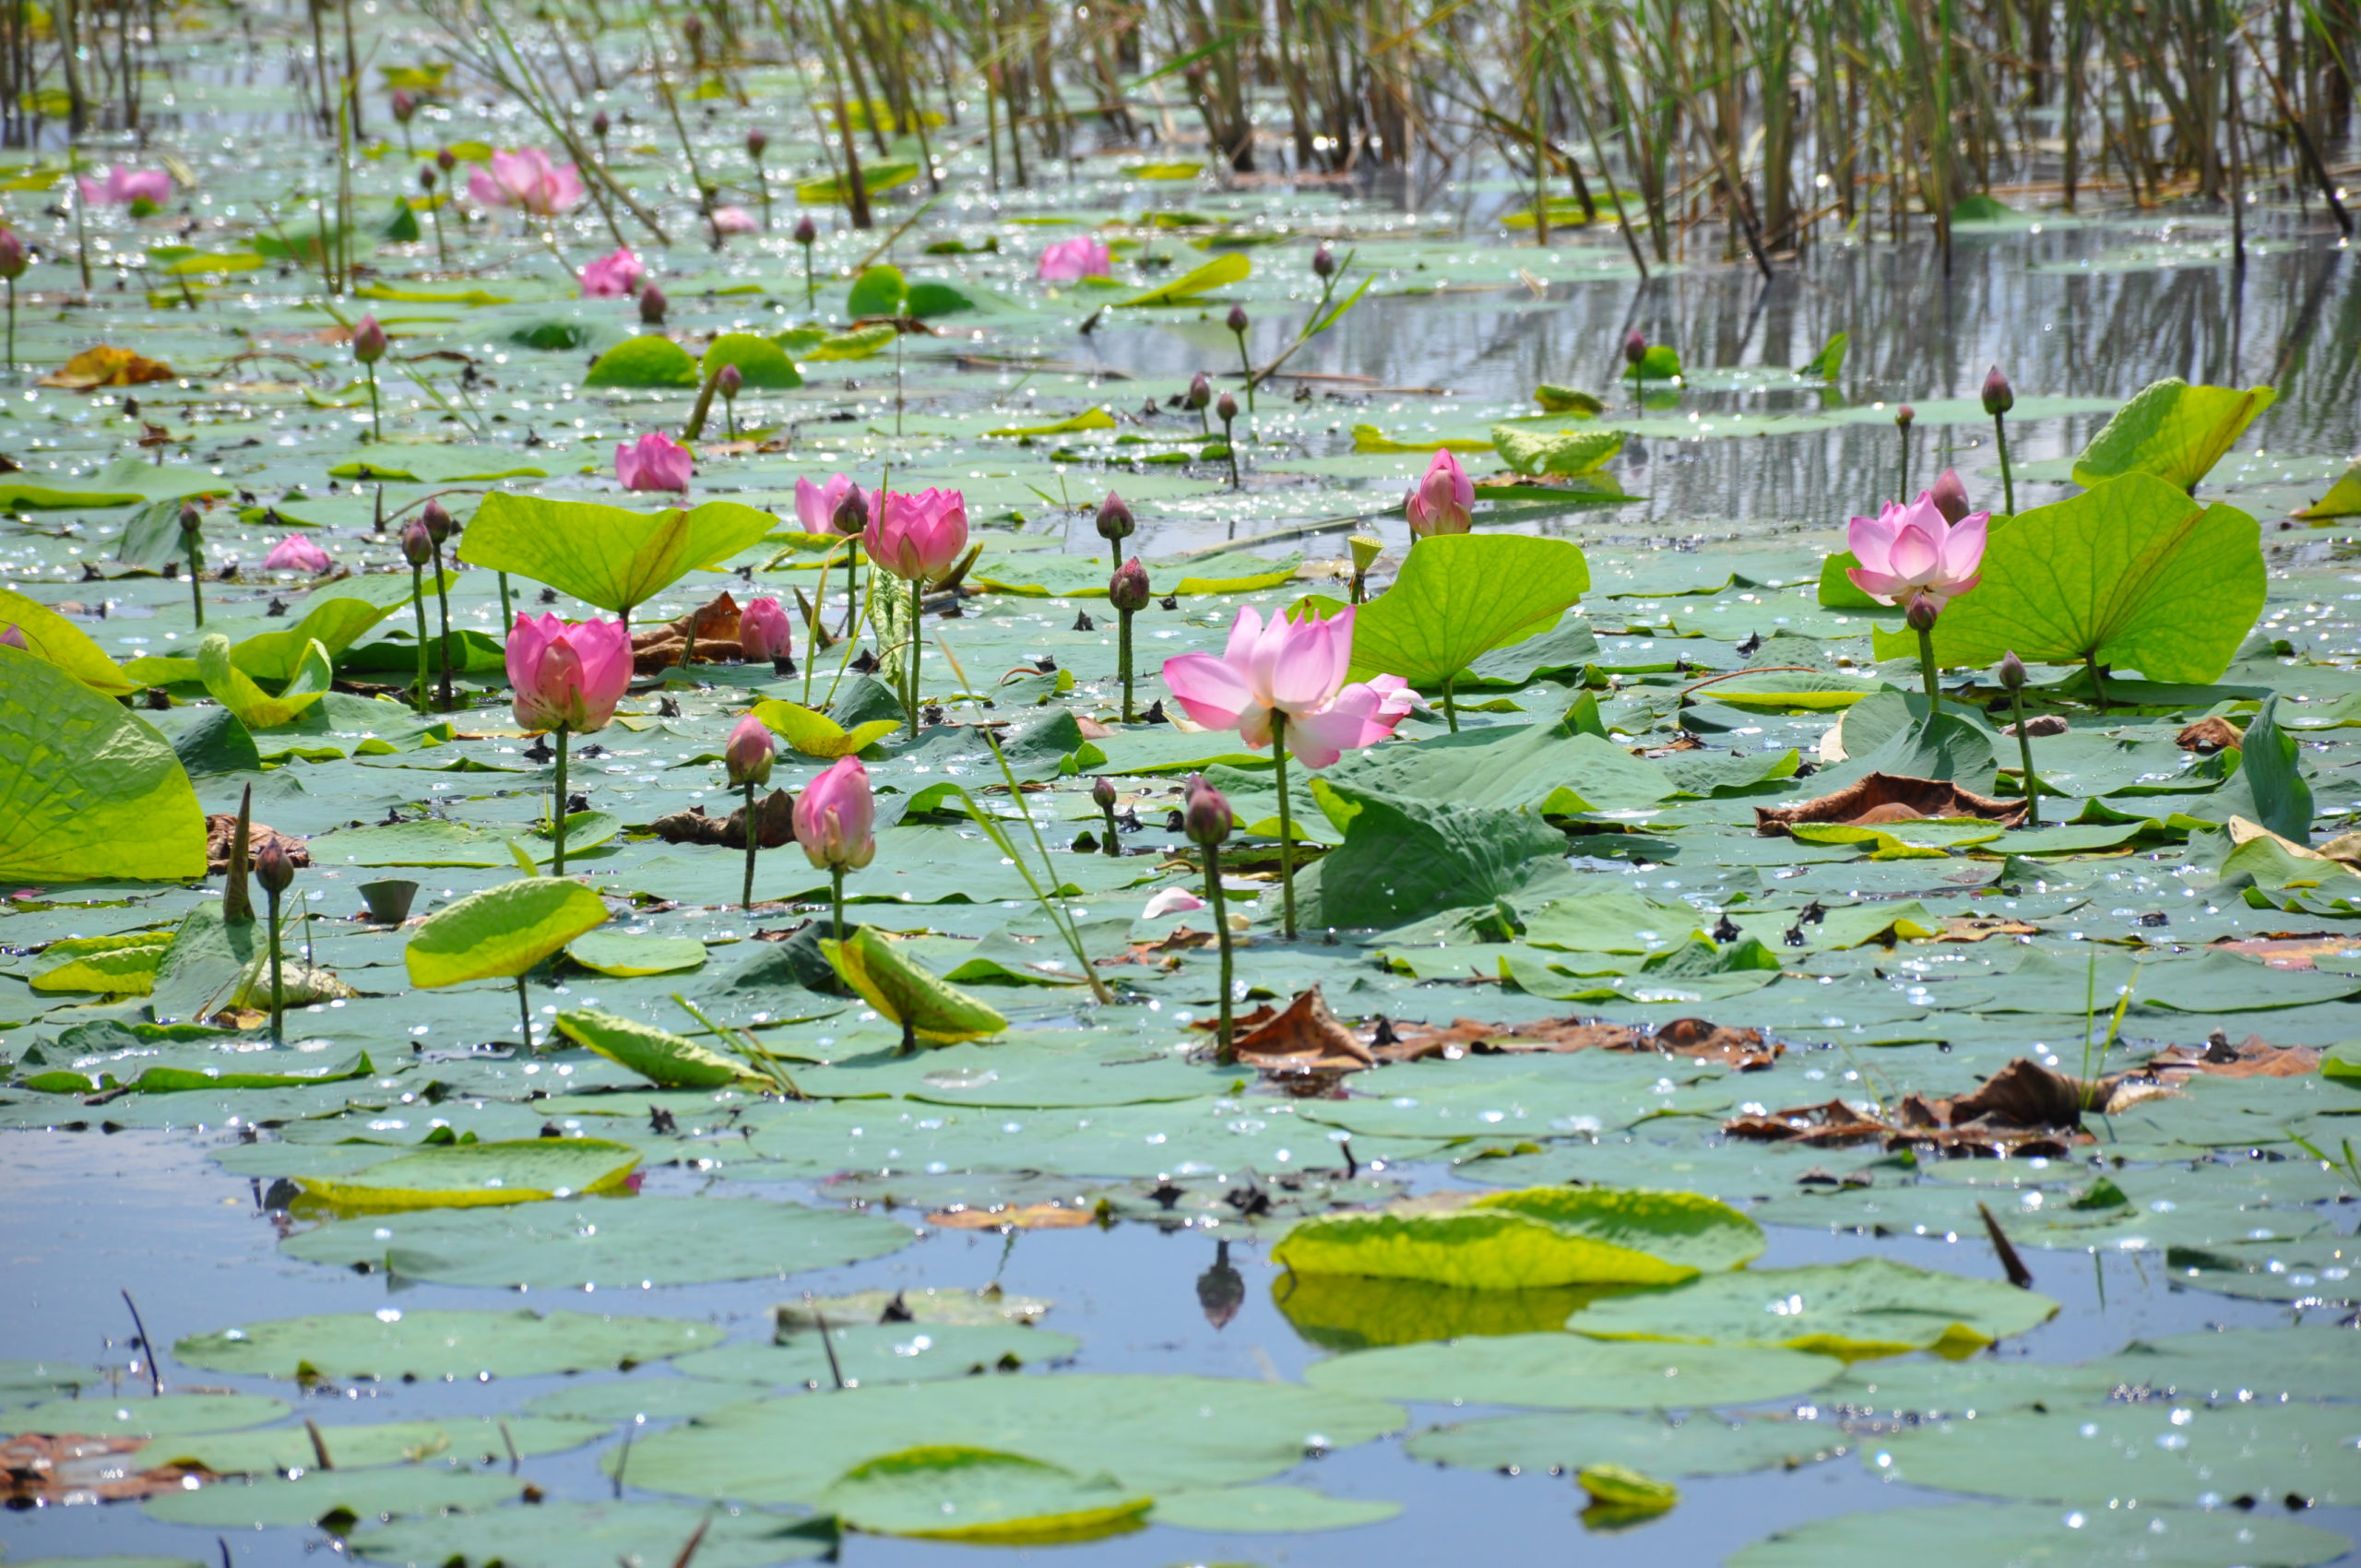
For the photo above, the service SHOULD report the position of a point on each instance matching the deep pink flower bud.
(437, 521)
(850, 514)
(1922, 614)
(1323, 262)
(1635, 347)
(405, 105)
(757, 141)
(1205, 819)
(1905, 416)
(1225, 408)
(2013, 671)
(13, 260)
(804, 231)
(418, 545)
(750, 753)
(273, 866)
(368, 341)
(1950, 497)
(1115, 519)
(445, 160)
(1102, 793)
(600, 124)
(190, 517)
(1998, 395)
(1201, 391)
(426, 179)
(651, 307)
(836, 816)
(1442, 501)
(1128, 588)
(728, 381)
(1237, 318)
(765, 631)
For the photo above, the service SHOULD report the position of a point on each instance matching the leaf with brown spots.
(1885, 797)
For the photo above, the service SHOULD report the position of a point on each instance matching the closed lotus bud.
(749, 753)
(445, 160)
(692, 26)
(2013, 671)
(405, 105)
(851, 515)
(1998, 395)
(1635, 347)
(1205, 819)
(1115, 519)
(190, 517)
(1905, 416)
(805, 231)
(368, 341)
(756, 142)
(1128, 588)
(651, 307)
(1102, 791)
(418, 545)
(599, 124)
(1949, 496)
(1237, 318)
(728, 381)
(1226, 409)
(13, 260)
(1324, 263)
(435, 521)
(1921, 613)
(272, 867)
(426, 178)
(1201, 391)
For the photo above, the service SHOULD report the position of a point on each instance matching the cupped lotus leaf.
(1829, 363)
(816, 734)
(1661, 362)
(930, 299)
(1369, 438)
(1230, 267)
(878, 290)
(2171, 430)
(500, 933)
(2342, 499)
(1686, 1228)
(644, 361)
(861, 343)
(235, 690)
(1557, 399)
(1460, 596)
(1987, 1535)
(165, 1414)
(1268, 1510)
(874, 177)
(597, 1535)
(1702, 1445)
(336, 617)
(1153, 1433)
(1556, 451)
(480, 1174)
(436, 1344)
(337, 1499)
(1868, 1307)
(1089, 419)
(1623, 1488)
(118, 965)
(952, 1491)
(2131, 575)
(1472, 1250)
(361, 1445)
(87, 790)
(665, 1060)
(763, 363)
(51, 636)
(627, 957)
(1563, 1371)
(606, 555)
(905, 991)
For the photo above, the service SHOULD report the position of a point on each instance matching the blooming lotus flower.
(1296, 668)
(121, 186)
(835, 817)
(655, 462)
(815, 505)
(568, 675)
(1912, 553)
(1440, 503)
(295, 554)
(1070, 260)
(763, 631)
(613, 276)
(525, 178)
(733, 220)
(918, 537)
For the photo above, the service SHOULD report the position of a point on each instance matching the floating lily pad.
(438, 1343)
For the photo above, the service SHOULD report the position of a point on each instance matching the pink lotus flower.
(525, 178)
(613, 276)
(815, 505)
(1911, 552)
(655, 462)
(569, 675)
(1950, 497)
(12, 634)
(1296, 668)
(296, 553)
(733, 220)
(835, 817)
(1440, 502)
(763, 631)
(918, 537)
(122, 186)
(1070, 260)
(1171, 901)
(749, 752)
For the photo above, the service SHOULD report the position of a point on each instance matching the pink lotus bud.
(1998, 395)
(600, 124)
(405, 106)
(757, 141)
(850, 514)
(1226, 407)
(804, 231)
(1201, 391)
(426, 179)
(1115, 519)
(445, 160)
(1905, 416)
(765, 631)
(836, 816)
(2013, 671)
(1102, 793)
(1128, 588)
(418, 545)
(653, 462)
(651, 307)
(1237, 318)
(296, 553)
(190, 517)
(750, 752)
(437, 521)
(1441, 502)
(368, 341)
(728, 381)
(273, 867)
(917, 537)
(1323, 262)
(1922, 612)
(1635, 347)
(569, 675)
(1949, 495)
(1205, 819)
(13, 260)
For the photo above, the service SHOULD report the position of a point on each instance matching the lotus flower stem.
(376, 429)
(1221, 940)
(1286, 836)
(1123, 659)
(2008, 479)
(910, 676)
(418, 606)
(195, 575)
(507, 617)
(1927, 668)
(1113, 845)
(12, 326)
(1450, 708)
(443, 598)
(2098, 687)
(836, 898)
(753, 838)
(278, 980)
(557, 814)
(2025, 751)
(524, 1014)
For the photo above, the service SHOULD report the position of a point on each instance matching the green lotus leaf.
(665, 1060)
(604, 555)
(235, 690)
(906, 992)
(874, 177)
(1989, 1535)
(879, 291)
(480, 1174)
(644, 361)
(1870, 1307)
(500, 933)
(952, 1491)
(90, 791)
(763, 363)
(1231, 267)
(438, 1343)
(1556, 451)
(2171, 430)
(51, 636)
(599, 1534)
(1459, 595)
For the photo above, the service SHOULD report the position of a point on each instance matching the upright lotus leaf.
(907, 992)
(2171, 430)
(2270, 779)
(1556, 451)
(1460, 596)
(879, 291)
(235, 690)
(816, 734)
(335, 622)
(1661, 362)
(606, 555)
(1230, 267)
(926, 300)
(2132, 575)
(952, 1491)
(501, 931)
(763, 363)
(51, 636)
(645, 361)
(665, 1060)
(1829, 363)
(87, 790)
(2342, 500)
